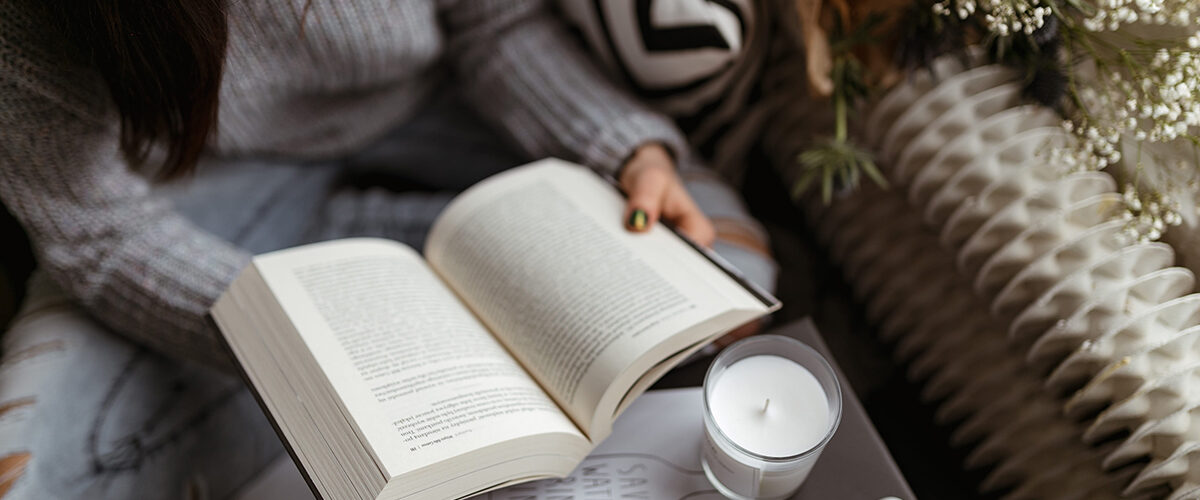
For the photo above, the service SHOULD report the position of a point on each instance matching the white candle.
(770, 405)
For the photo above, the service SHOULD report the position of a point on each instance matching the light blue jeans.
(87, 414)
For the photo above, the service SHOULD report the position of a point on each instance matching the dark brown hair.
(162, 61)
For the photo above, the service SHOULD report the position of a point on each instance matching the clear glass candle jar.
(771, 404)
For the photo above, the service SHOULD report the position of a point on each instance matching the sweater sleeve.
(125, 256)
(522, 71)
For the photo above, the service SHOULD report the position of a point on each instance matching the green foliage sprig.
(839, 159)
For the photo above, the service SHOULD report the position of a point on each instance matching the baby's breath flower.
(1137, 88)
(1112, 15)
(1002, 17)
(1147, 215)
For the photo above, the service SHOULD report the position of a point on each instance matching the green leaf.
(806, 180)
(843, 176)
(868, 166)
(839, 161)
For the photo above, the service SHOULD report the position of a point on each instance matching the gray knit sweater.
(302, 86)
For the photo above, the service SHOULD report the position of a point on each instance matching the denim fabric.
(99, 417)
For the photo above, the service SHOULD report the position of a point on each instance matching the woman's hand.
(655, 191)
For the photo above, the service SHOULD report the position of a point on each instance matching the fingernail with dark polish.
(637, 219)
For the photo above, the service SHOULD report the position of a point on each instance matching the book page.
(540, 254)
(421, 377)
(654, 453)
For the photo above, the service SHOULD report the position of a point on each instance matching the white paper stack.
(1067, 356)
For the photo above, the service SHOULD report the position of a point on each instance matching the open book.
(504, 357)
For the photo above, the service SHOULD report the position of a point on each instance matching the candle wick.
(766, 404)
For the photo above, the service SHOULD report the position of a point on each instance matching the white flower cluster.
(1147, 216)
(1169, 91)
(1157, 108)
(1151, 98)
(1002, 17)
(1076, 155)
(1100, 130)
(1111, 15)
(1134, 87)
